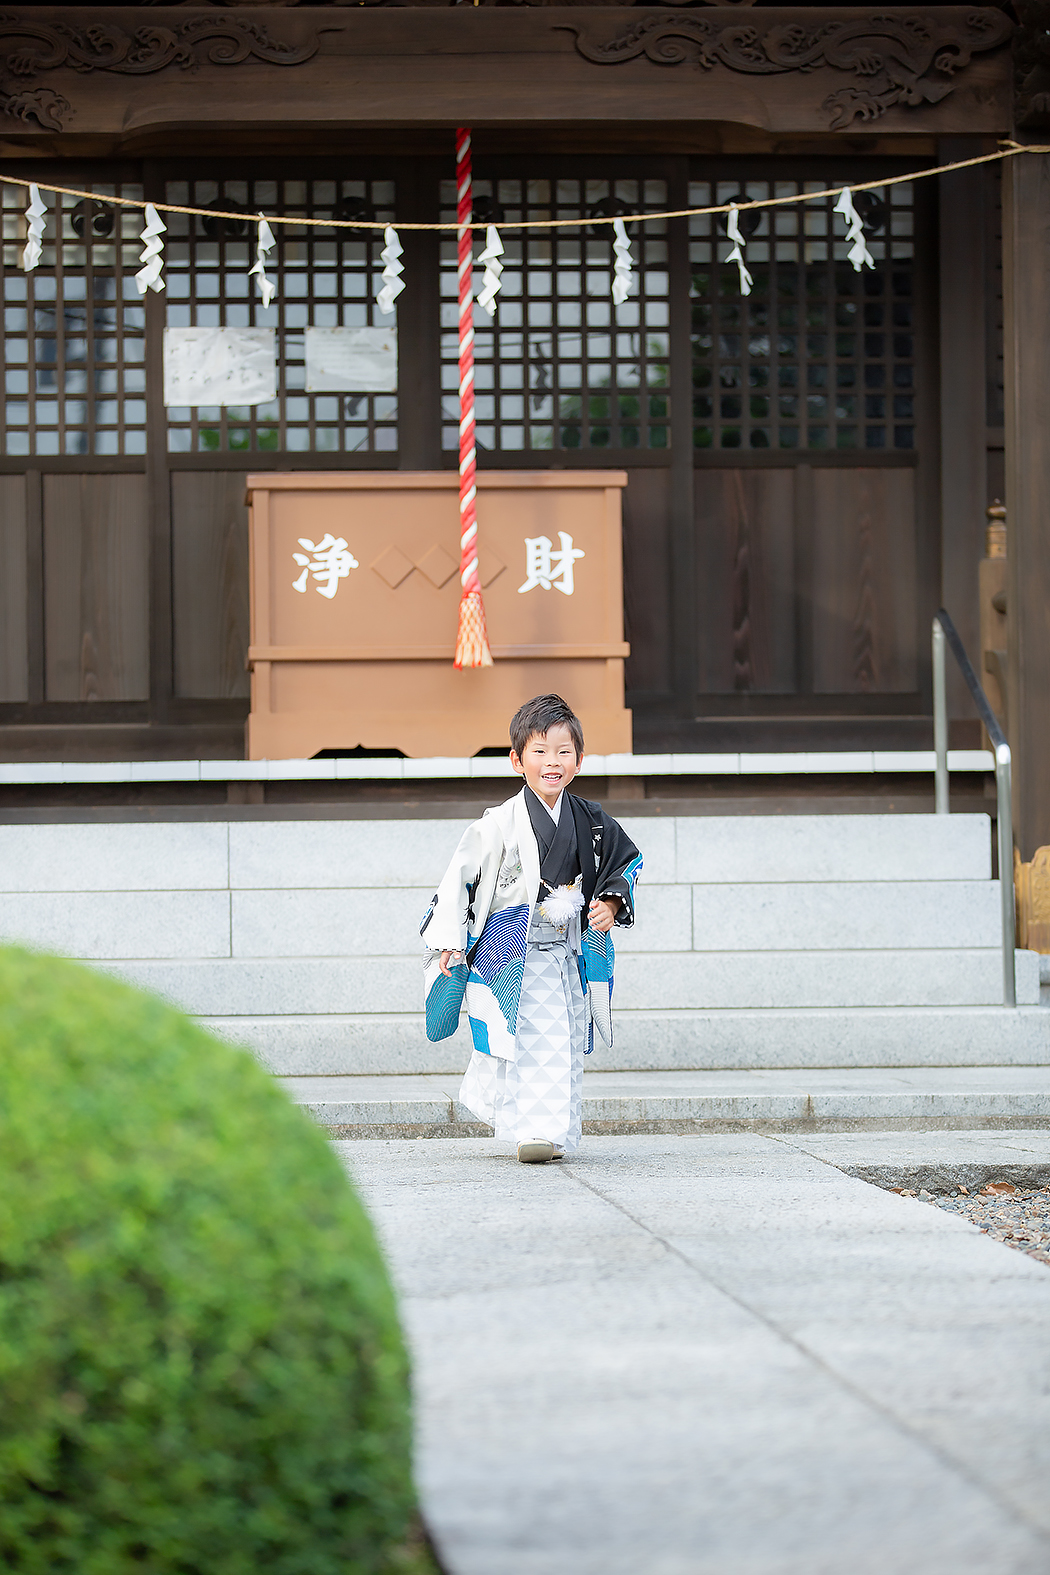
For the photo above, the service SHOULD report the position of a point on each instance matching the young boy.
(519, 927)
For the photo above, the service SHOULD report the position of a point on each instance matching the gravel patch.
(1019, 1217)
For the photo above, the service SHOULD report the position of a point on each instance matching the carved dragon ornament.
(29, 47)
(894, 59)
(901, 58)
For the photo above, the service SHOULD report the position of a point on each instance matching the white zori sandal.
(537, 1151)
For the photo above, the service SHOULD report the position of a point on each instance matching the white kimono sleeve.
(450, 922)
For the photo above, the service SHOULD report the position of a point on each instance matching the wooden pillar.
(683, 587)
(418, 325)
(1026, 345)
(961, 199)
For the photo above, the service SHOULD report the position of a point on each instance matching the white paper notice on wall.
(220, 366)
(351, 360)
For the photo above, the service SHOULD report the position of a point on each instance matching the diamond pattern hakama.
(540, 1093)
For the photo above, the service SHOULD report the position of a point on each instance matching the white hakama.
(540, 1093)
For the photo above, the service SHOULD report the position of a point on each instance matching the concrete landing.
(713, 1355)
(693, 1102)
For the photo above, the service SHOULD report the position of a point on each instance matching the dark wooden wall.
(96, 578)
(648, 574)
(806, 581)
(14, 592)
(88, 605)
(209, 554)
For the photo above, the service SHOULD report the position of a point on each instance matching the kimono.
(534, 989)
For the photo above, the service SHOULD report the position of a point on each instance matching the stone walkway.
(719, 1355)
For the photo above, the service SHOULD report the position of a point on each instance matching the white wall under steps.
(859, 940)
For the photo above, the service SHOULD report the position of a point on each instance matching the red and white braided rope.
(472, 646)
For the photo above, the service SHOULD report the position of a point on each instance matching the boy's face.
(548, 762)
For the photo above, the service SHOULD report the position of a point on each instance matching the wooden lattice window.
(74, 329)
(818, 356)
(561, 367)
(324, 278)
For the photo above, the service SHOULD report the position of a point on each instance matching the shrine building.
(798, 472)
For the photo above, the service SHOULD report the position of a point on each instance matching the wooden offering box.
(355, 598)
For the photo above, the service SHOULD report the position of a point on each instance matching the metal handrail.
(945, 631)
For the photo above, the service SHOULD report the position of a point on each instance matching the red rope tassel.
(472, 642)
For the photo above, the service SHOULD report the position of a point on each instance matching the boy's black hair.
(539, 715)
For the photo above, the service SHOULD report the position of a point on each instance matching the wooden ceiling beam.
(777, 72)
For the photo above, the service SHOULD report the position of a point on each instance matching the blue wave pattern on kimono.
(498, 962)
(596, 965)
(598, 961)
(444, 999)
(479, 1033)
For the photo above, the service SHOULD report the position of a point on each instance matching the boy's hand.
(601, 915)
(446, 958)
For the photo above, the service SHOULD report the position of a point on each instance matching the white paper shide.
(622, 263)
(219, 366)
(858, 253)
(151, 276)
(492, 282)
(393, 268)
(351, 360)
(737, 253)
(265, 244)
(36, 214)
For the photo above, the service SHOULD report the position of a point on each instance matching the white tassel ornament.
(35, 214)
(392, 270)
(152, 254)
(562, 906)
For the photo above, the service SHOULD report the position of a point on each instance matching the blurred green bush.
(201, 1370)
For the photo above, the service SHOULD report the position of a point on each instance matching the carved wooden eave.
(1032, 66)
(121, 71)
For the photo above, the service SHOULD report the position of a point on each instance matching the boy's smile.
(548, 762)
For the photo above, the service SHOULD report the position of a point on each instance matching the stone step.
(853, 1037)
(290, 854)
(383, 922)
(780, 941)
(655, 982)
(906, 1099)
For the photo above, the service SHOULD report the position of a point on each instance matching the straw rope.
(1007, 150)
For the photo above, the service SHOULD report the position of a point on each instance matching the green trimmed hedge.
(201, 1371)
